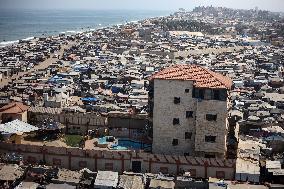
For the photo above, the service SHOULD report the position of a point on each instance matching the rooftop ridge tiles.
(202, 76)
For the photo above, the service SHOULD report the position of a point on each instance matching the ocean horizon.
(25, 24)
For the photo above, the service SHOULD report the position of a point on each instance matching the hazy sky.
(273, 5)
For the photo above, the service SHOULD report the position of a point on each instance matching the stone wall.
(165, 111)
(218, 128)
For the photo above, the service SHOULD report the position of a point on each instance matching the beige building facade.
(190, 115)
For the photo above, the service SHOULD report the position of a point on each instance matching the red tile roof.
(13, 108)
(202, 77)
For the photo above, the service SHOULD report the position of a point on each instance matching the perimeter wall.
(76, 159)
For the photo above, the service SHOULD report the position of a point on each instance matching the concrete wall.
(127, 122)
(79, 123)
(75, 122)
(76, 159)
(127, 127)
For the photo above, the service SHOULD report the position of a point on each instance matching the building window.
(201, 93)
(186, 154)
(211, 139)
(208, 94)
(109, 166)
(164, 170)
(211, 117)
(216, 94)
(56, 162)
(176, 121)
(82, 164)
(220, 174)
(187, 135)
(189, 114)
(198, 93)
(175, 142)
(176, 100)
(193, 93)
(186, 90)
(222, 94)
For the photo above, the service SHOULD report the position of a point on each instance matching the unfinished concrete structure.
(190, 108)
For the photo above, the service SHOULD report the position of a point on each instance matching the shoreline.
(72, 32)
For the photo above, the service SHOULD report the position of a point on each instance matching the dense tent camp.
(17, 126)
(50, 125)
(49, 130)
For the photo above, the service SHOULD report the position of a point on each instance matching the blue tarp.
(89, 99)
(115, 89)
(55, 79)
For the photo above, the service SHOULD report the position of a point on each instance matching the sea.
(25, 24)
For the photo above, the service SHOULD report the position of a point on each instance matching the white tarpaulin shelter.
(17, 126)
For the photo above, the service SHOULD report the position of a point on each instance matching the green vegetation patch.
(73, 140)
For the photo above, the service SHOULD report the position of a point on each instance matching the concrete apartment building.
(189, 105)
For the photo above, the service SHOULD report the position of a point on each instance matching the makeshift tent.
(17, 126)
(89, 99)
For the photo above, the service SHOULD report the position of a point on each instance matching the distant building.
(184, 34)
(189, 105)
(60, 100)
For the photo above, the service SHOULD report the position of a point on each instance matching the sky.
(272, 5)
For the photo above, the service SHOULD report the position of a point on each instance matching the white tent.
(17, 126)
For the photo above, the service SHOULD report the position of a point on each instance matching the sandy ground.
(57, 143)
